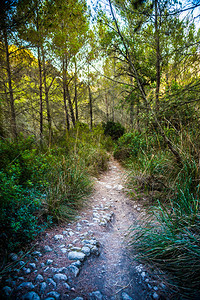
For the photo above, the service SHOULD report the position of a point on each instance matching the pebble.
(43, 287)
(49, 261)
(78, 298)
(96, 295)
(51, 281)
(86, 250)
(21, 263)
(27, 285)
(60, 277)
(95, 250)
(74, 255)
(143, 274)
(70, 233)
(6, 291)
(76, 263)
(32, 265)
(63, 250)
(47, 248)
(37, 253)
(31, 296)
(54, 294)
(74, 270)
(39, 277)
(125, 296)
(58, 237)
(155, 296)
(66, 285)
(27, 271)
(13, 256)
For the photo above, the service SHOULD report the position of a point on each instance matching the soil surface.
(108, 271)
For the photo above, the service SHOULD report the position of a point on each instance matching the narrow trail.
(89, 257)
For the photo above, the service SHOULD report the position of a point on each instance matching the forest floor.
(89, 257)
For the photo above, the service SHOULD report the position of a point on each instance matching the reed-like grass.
(69, 185)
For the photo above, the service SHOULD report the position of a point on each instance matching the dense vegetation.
(126, 69)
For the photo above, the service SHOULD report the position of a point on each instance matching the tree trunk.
(157, 39)
(70, 104)
(131, 113)
(65, 97)
(11, 97)
(47, 98)
(75, 91)
(134, 70)
(90, 105)
(40, 91)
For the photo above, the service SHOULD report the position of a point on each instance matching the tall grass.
(169, 237)
(69, 185)
(171, 240)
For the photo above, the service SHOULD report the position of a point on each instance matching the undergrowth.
(38, 187)
(169, 237)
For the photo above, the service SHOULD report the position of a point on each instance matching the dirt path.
(104, 269)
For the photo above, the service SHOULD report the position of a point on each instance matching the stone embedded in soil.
(13, 256)
(78, 298)
(155, 296)
(74, 255)
(26, 285)
(60, 277)
(96, 295)
(37, 253)
(49, 261)
(47, 248)
(51, 281)
(27, 271)
(63, 250)
(58, 237)
(125, 296)
(66, 286)
(54, 294)
(76, 263)
(95, 250)
(32, 266)
(86, 250)
(31, 296)
(39, 277)
(73, 270)
(6, 291)
(43, 287)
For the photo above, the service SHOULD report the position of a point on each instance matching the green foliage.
(113, 129)
(37, 187)
(130, 145)
(170, 239)
(68, 186)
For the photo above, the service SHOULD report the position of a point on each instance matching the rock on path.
(86, 259)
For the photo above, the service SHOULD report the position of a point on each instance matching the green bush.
(113, 129)
(19, 207)
(130, 145)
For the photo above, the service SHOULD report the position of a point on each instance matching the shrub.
(130, 145)
(113, 129)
